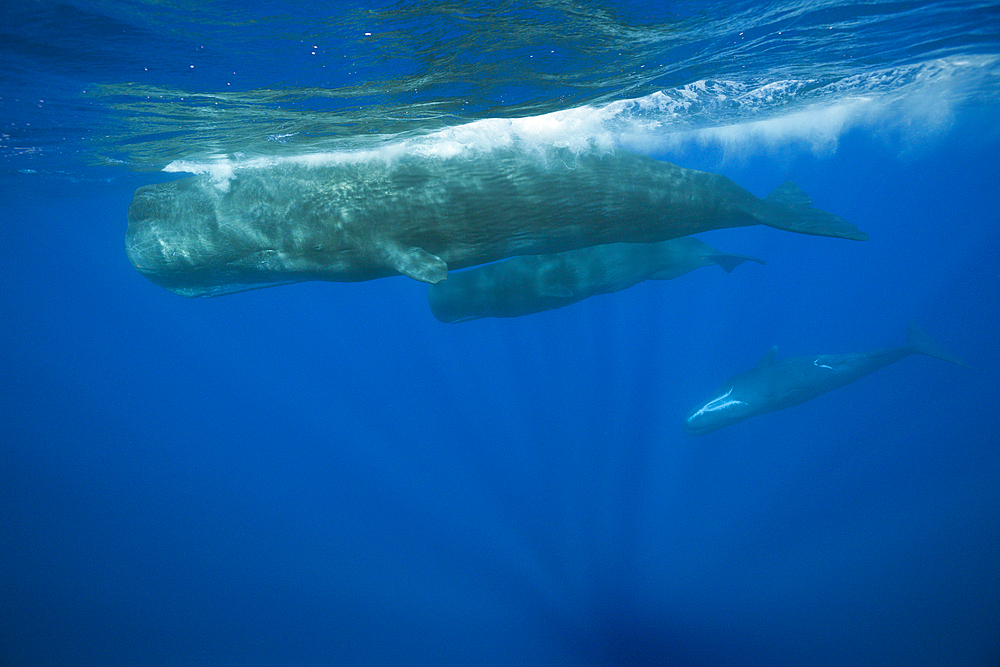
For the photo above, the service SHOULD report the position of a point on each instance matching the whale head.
(188, 237)
(725, 408)
(175, 239)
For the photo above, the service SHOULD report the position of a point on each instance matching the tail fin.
(730, 262)
(922, 344)
(792, 211)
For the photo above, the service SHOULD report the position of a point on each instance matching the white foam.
(738, 118)
(816, 128)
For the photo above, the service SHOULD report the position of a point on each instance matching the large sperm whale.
(361, 218)
(775, 385)
(533, 283)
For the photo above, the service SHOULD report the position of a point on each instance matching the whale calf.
(352, 219)
(533, 283)
(775, 385)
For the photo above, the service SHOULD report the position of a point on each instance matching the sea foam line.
(735, 117)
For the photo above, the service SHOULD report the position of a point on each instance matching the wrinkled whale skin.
(420, 216)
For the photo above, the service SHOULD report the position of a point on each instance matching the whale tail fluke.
(729, 262)
(792, 210)
(922, 344)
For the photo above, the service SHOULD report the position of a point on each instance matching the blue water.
(323, 473)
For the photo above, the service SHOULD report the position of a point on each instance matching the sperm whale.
(533, 283)
(419, 215)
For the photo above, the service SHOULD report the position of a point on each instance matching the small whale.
(775, 385)
(361, 217)
(533, 283)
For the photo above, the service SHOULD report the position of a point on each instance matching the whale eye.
(318, 247)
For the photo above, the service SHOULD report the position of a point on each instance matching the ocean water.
(324, 474)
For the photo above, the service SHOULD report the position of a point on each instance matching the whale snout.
(724, 409)
(175, 227)
(144, 243)
(702, 420)
(695, 424)
(175, 240)
(154, 242)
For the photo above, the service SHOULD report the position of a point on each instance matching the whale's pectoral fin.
(416, 263)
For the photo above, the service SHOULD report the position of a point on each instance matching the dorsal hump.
(769, 358)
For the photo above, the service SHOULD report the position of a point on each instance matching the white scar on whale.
(717, 404)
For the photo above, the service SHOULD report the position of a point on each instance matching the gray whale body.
(360, 219)
(775, 385)
(533, 283)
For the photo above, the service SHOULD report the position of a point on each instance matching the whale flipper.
(416, 263)
(792, 210)
(922, 344)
